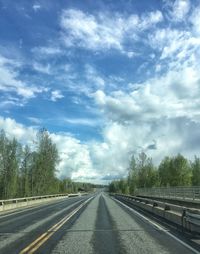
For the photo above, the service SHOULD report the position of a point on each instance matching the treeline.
(24, 172)
(172, 171)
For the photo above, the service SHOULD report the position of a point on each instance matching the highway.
(88, 224)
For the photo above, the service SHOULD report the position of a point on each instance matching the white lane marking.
(143, 217)
(159, 227)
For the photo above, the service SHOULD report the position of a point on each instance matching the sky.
(108, 79)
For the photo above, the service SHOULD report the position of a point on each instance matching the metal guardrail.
(12, 200)
(155, 203)
(193, 217)
(19, 202)
(185, 217)
(191, 193)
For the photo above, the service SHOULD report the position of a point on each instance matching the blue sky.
(108, 79)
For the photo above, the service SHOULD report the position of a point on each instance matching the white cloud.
(82, 121)
(75, 156)
(160, 116)
(167, 136)
(11, 83)
(82, 162)
(162, 113)
(151, 100)
(17, 130)
(46, 69)
(130, 54)
(102, 32)
(178, 48)
(56, 95)
(35, 120)
(47, 51)
(181, 9)
(36, 7)
(178, 10)
(93, 76)
(194, 19)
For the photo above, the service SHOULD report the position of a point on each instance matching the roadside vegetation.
(24, 172)
(172, 171)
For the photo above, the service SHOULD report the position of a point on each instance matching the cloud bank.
(133, 78)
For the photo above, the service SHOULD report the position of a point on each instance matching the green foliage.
(175, 171)
(9, 164)
(147, 174)
(68, 186)
(44, 164)
(172, 171)
(142, 173)
(195, 167)
(27, 173)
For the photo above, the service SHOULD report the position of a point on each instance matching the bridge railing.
(26, 201)
(186, 218)
(192, 193)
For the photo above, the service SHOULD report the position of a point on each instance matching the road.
(85, 225)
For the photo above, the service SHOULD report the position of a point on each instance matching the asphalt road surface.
(90, 224)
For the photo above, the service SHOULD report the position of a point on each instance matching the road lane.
(17, 230)
(78, 237)
(139, 236)
(44, 237)
(106, 237)
(101, 226)
(106, 227)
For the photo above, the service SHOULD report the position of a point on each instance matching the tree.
(45, 161)
(175, 171)
(133, 175)
(25, 172)
(181, 171)
(3, 153)
(113, 187)
(147, 173)
(195, 167)
(11, 165)
(164, 171)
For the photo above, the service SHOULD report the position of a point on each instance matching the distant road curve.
(89, 224)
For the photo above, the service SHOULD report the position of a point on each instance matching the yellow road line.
(40, 243)
(33, 243)
(41, 237)
(31, 248)
(51, 233)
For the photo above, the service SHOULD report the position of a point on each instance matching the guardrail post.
(193, 194)
(182, 219)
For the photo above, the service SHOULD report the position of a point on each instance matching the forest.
(172, 171)
(31, 172)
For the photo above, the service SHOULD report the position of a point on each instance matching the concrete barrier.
(187, 218)
(176, 201)
(192, 220)
(15, 203)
